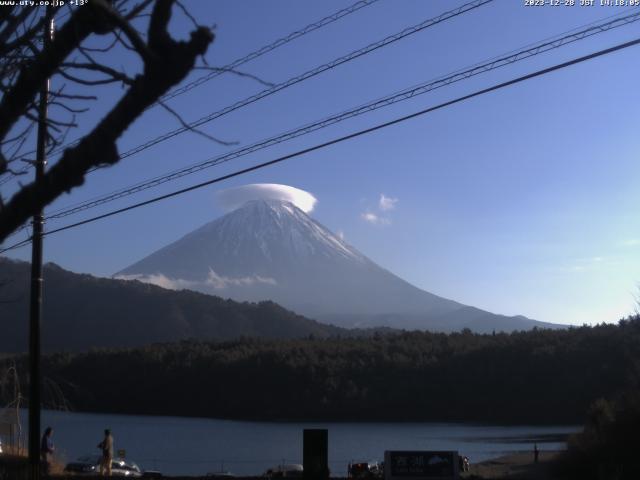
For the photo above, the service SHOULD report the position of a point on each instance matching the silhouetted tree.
(542, 376)
(26, 62)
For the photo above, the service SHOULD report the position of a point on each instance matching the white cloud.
(161, 281)
(387, 203)
(589, 260)
(219, 282)
(340, 234)
(632, 242)
(374, 219)
(592, 264)
(213, 281)
(233, 198)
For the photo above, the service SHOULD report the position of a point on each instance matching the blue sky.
(522, 201)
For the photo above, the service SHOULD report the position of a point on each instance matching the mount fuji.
(272, 250)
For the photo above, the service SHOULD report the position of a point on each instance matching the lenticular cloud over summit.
(234, 198)
(268, 248)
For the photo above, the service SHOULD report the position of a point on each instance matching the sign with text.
(421, 464)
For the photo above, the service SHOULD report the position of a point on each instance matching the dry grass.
(10, 454)
(519, 466)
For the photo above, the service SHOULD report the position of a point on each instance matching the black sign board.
(414, 465)
(315, 454)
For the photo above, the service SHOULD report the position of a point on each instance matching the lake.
(193, 446)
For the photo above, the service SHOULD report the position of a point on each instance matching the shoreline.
(323, 420)
(514, 466)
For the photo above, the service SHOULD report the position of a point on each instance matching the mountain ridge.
(81, 311)
(270, 249)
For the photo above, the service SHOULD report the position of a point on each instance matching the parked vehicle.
(292, 470)
(221, 475)
(365, 470)
(89, 465)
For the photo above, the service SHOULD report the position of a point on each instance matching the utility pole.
(35, 377)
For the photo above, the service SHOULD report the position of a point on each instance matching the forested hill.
(81, 312)
(541, 376)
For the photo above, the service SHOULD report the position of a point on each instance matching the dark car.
(89, 465)
(365, 470)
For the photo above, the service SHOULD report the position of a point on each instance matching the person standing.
(46, 451)
(106, 445)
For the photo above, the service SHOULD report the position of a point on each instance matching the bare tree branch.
(12, 24)
(103, 49)
(114, 74)
(166, 63)
(104, 81)
(137, 10)
(187, 14)
(136, 41)
(16, 100)
(73, 97)
(68, 108)
(184, 123)
(236, 72)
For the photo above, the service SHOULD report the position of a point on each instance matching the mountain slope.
(270, 249)
(82, 311)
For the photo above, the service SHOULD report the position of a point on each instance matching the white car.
(287, 470)
(90, 465)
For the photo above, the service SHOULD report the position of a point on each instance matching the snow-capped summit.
(270, 249)
(280, 230)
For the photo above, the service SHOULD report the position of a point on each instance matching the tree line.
(538, 376)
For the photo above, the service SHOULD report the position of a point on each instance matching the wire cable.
(268, 48)
(295, 80)
(308, 74)
(302, 77)
(406, 94)
(329, 19)
(350, 136)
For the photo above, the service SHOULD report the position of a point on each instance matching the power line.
(496, 62)
(308, 74)
(297, 79)
(15, 246)
(329, 19)
(272, 46)
(350, 136)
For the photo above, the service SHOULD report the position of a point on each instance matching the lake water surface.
(192, 446)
